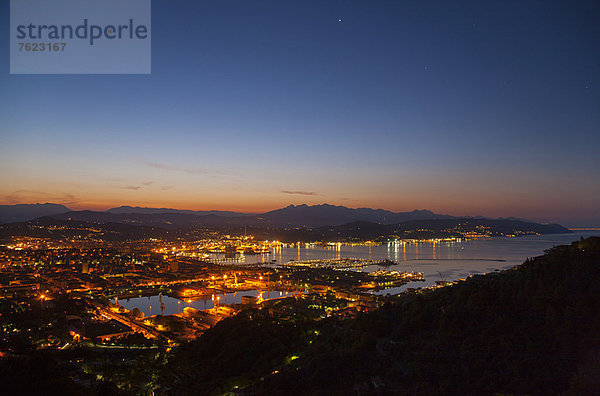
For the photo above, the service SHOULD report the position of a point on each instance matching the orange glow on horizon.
(476, 204)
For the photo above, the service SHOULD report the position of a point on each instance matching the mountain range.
(290, 217)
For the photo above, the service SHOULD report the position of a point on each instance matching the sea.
(441, 261)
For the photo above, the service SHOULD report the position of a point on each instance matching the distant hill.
(325, 214)
(24, 212)
(142, 210)
(431, 228)
(164, 220)
(170, 225)
(413, 229)
(48, 227)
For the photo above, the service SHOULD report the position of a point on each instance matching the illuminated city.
(316, 197)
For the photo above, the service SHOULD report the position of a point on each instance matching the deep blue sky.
(478, 108)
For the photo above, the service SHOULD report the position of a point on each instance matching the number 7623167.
(41, 47)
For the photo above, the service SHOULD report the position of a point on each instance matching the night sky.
(466, 108)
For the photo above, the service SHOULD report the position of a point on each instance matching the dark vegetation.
(530, 330)
(27, 370)
(234, 354)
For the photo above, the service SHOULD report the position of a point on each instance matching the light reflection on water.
(151, 305)
(453, 261)
(447, 261)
